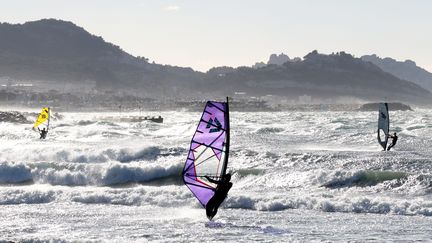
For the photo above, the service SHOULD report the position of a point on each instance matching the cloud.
(172, 8)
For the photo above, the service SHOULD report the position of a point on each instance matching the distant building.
(240, 95)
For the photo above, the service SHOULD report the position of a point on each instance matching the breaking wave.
(14, 173)
(108, 174)
(85, 122)
(118, 196)
(266, 130)
(366, 178)
(347, 205)
(90, 155)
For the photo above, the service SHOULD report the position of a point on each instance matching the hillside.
(61, 52)
(407, 70)
(57, 50)
(325, 77)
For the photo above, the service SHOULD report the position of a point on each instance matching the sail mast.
(49, 118)
(388, 118)
(227, 136)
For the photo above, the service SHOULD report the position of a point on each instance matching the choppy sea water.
(297, 176)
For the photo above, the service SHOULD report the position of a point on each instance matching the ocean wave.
(109, 174)
(58, 125)
(137, 197)
(13, 117)
(19, 196)
(147, 154)
(128, 197)
(101, 174)
(107, 123)
(346, 205)
(95, 155)
(121, 174)
(365, 178)
(173, 196)
(85, 122)
(169, 196)
(249, 171)
(14, 173)
(61, 177)
(267, 130)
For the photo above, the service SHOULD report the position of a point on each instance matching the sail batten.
(207, 156)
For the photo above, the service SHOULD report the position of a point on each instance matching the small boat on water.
(157, 119)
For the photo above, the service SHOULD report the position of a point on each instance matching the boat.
(156, 119)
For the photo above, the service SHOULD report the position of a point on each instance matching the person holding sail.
(43, 118)
(43, 133)
(394, 140)
(221, 192)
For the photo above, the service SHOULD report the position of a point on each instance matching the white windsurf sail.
(383, 124)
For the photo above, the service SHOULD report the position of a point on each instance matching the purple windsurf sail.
(208, 154)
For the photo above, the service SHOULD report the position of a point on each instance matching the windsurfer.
(43, 133)
(223, 186)
(394, 140)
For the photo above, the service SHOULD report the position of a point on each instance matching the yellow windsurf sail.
(43, 118)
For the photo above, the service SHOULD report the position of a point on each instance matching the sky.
(202, 33)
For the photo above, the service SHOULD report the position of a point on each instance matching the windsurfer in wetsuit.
(395, 138)
(223, 186)
(43, 133)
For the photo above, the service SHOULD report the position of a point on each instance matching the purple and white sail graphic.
(208, 154)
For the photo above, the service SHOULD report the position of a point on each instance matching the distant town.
(15, 93)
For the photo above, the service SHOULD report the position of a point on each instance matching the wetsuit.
(395, 138)
(220, 194)
(43, 133)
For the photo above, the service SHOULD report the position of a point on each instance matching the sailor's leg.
(210, 208)
(214, 212)
(209, 212)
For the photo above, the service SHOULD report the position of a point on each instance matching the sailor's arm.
(212, 180)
